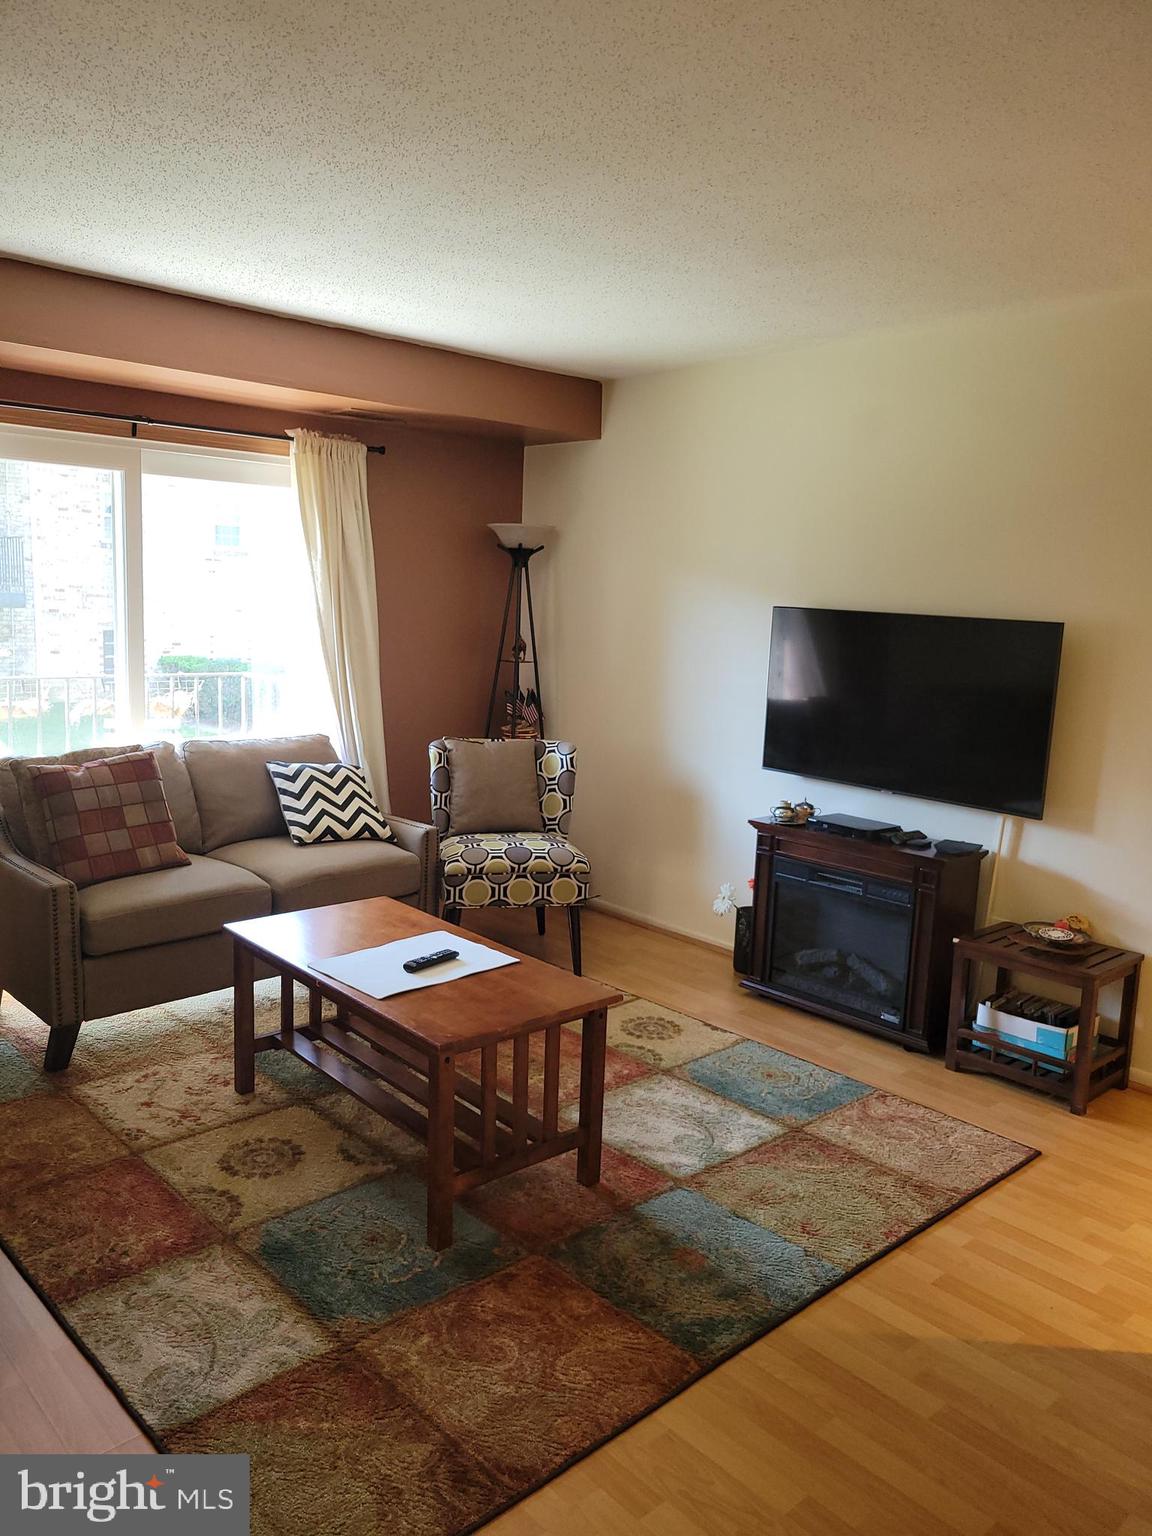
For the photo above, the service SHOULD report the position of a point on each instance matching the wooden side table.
(1089, 968)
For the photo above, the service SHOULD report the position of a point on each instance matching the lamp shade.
(520, 535)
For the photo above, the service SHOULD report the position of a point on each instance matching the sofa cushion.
(234, 795)
(321, 874)
(25, 817)
(168, 904)
(178, 792)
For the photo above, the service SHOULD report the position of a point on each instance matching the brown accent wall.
(440, 574)
(75, 325)
(441, 580)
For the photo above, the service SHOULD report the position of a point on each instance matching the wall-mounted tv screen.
(958, 710)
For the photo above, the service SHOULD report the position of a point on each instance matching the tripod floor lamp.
(520, 711)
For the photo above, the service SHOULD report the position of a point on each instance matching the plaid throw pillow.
(105, 818)
(328, 803)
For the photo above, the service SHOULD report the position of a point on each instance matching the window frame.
(132, 459)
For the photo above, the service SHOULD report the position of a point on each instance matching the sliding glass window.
(151, 592)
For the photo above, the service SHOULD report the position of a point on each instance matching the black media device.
(951, 846)
(951, 709)
(425, 962)
(857, 826)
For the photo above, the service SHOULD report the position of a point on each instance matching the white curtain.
(331, 479)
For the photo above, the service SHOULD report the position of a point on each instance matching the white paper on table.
(380, 972)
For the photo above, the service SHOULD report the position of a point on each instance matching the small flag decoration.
(522, 712)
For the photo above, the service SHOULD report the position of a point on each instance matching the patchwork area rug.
(251, 1276)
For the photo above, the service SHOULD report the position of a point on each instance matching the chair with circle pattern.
(515, 869)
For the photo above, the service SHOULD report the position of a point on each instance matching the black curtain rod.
(151, 421)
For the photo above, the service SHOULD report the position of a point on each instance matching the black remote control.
(437, 957)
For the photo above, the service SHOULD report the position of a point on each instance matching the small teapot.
(804, 811)
(784, 812)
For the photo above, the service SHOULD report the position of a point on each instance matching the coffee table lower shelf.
(473, 1132)
(467, 1159)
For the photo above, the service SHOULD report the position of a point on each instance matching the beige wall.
(994, 466)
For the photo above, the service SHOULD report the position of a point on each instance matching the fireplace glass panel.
(841, 939)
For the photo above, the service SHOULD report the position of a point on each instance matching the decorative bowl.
(1054, 937)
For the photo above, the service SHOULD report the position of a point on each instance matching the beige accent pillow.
(24, 811)
(234, 795)
(494, 786)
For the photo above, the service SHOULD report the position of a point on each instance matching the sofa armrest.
(424, 841)
(40, 960)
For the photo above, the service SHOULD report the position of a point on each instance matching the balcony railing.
(45, 715)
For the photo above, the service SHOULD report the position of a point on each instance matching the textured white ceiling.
(601, 186)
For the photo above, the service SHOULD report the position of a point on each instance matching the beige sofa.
(71, 955)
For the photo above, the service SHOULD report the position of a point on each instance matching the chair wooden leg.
(574, 936)
(540, 918)
(61, 1042)
(452, 915)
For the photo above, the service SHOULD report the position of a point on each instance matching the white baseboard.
(643, 920)
(1139, 1078)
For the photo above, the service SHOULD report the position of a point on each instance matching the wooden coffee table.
(412, 1043)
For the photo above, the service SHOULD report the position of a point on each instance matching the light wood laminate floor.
(992, 1377)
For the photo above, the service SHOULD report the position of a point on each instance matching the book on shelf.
(1038, 1023)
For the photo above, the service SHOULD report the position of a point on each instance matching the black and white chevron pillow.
(328, 803)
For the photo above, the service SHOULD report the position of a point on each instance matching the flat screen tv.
(958, 710)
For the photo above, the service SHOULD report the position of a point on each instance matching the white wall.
(996, 466)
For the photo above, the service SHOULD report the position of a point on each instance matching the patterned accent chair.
(515, 869)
